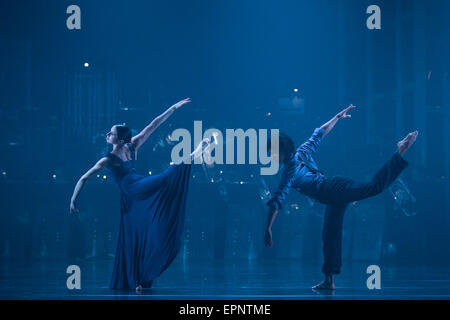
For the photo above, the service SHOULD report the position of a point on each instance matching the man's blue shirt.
(300, 172)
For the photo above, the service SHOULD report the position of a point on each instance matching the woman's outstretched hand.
(179, 104)
(343, 113)
(73, 208)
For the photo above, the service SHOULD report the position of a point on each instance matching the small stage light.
(149, 172)
(295, 90)
(54, 176)
(269, 114)
(104, 177)
(86, 64)
(4, 173)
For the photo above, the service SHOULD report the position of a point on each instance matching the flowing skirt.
(151, 226)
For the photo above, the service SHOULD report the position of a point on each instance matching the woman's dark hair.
(286, 145)
(123, 133)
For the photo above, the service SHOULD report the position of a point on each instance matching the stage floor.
(290, 280)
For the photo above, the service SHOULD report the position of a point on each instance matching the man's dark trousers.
(337, 193)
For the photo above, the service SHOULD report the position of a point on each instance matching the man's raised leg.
(348, 190)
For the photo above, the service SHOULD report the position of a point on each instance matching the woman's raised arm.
(140, 138)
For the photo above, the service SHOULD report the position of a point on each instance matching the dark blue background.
(236, 60)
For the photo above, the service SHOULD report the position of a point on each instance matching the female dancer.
(302, 174)
(152, 207)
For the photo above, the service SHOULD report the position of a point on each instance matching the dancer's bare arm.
(275, 203)
(140, 138)
(330, 124)
(99, 166)
(270, 219)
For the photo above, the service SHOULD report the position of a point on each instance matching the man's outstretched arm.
(275, 203)
(330, 124)
(309, 147)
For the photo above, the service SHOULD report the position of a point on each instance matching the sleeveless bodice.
(119, 168)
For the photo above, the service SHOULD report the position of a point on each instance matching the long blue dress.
(152, 214)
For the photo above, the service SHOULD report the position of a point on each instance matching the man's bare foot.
(407, 142)
(327, 284)
(139, 289)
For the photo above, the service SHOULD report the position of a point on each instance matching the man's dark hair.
(123, 133)
(286, 145)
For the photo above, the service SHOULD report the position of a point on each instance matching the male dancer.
(301, 173)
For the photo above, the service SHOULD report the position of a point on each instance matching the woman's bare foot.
(200, 148)
(407, 142)
(327, 284)
(139, 289)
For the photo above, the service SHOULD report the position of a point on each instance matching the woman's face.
(111, 136)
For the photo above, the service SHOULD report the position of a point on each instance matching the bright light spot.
(86, 64)
(215, 134)
(171, 163)
(104, 177)
(54, 176)
(4, 173)
(295, 90)
(269, 114)
(149, 172)
(242, 182)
